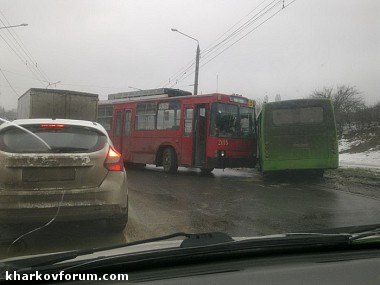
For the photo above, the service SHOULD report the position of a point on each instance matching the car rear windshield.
(51, 138)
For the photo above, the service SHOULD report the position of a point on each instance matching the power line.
(22, 46)
(182, 72)
(10, 85)
(183, 75)
(21, 59)
(245, 35)
(238, 31)
(241, 27)
(208, 53)
(256, 27)
(23, 75)
(21, 51)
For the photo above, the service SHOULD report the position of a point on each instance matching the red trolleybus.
(171, 128)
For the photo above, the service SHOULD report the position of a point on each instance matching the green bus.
(297, 135)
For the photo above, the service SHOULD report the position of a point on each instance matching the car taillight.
(114, 161)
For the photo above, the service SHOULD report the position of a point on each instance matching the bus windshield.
(229, 121)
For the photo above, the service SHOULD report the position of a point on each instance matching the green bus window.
(307, 115)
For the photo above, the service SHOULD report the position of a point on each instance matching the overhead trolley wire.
(249, 32)
(182, 72)
(212, 52)
(256, 27)
(240, 28)
(10, 85)
(21, 59)
(18, 47)
(22, 47)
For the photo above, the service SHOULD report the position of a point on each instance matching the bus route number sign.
(222, 142)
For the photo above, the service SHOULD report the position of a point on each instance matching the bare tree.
(346, 100)
(277, 98)
(325, 93)
(260, 102)
(368, 116)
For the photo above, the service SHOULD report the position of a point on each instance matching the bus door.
(187, 136)
(200, 135)
(126, 141)
(118, 131)
(193, 146)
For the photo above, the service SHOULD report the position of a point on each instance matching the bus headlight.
(222, 153)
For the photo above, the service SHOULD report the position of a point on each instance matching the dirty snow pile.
(367, 159)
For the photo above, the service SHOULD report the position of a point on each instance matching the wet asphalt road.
(237, 202)
(240, 203)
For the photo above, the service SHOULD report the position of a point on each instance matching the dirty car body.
(60, 168)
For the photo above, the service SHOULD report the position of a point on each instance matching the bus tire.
(169, 160)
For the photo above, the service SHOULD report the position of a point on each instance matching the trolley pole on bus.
(196, 60)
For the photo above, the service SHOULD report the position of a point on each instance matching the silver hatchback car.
(62, 169)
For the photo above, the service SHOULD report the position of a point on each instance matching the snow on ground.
(345, 144)
(366, 159)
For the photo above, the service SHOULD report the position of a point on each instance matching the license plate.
(48, 174)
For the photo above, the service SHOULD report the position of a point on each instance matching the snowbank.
(367, 159)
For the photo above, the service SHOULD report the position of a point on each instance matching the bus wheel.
(169, 160)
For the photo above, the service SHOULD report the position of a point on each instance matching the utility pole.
(196, 70)
(197, 57)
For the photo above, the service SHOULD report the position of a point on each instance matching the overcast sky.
(106, 47)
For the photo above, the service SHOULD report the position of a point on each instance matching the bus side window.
(118, 124)
(146, 114)
(105, 113)
(168, 115)
(188, 126)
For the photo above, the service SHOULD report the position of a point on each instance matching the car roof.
(71, 122)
